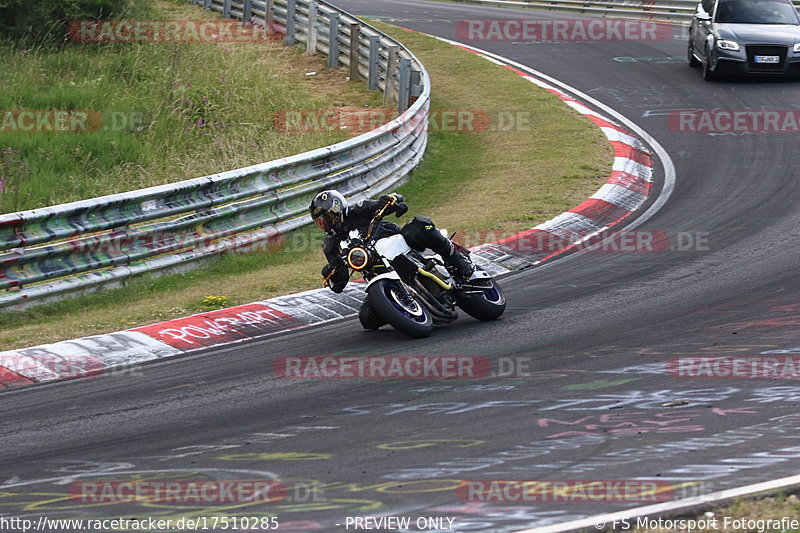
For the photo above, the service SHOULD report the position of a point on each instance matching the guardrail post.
(291, 9)
(247, 11)
(355, 32)
(226, 9)
(391, 71)
(269, 14)
(374, 48)
(207, 4)
(333, 41)
(311, 40)
(415, 86)
(404, 94)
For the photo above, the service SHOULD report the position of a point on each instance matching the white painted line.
(600, 522)
(620, 196)
(634, 168)
(617, 136)
(570, 223)
(583, 110)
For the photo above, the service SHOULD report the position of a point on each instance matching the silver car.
(753, 37)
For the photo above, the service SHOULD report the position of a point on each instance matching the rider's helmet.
(329, 209)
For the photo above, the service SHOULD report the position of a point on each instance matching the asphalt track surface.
(593, 403)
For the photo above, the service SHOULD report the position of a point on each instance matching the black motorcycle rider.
(331, 212)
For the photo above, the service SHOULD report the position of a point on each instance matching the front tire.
(488, 305)
(405, 314)
(708, 73)
(369, 318)
(693, 61)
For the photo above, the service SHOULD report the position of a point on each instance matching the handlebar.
(379, 215)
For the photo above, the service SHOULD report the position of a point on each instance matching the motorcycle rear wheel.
(487, 305)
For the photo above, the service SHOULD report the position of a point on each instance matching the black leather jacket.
(358, 218)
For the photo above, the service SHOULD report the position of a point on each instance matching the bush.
(47, 20)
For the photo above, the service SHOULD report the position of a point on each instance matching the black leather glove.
(327, 269)
(387, 198)
(338, 281)
(399, 208)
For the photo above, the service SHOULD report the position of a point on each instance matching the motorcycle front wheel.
(404, 312)
(369, 318)
(486, 305)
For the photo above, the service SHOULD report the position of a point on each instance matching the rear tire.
(488, 305)
(389, 301)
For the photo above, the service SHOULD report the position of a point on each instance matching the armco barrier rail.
(46, 253)
(680, 11)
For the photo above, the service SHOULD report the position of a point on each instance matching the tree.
(48, 19)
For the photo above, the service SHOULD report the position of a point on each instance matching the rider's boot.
(458, 262)
(421, 233)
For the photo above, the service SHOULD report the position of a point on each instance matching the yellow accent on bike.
(437, 279)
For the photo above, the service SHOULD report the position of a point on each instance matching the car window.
(756, 12)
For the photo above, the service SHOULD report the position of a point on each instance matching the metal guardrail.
(46, 253)
(680, 11)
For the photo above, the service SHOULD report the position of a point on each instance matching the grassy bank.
(158, 112)
(485, 178)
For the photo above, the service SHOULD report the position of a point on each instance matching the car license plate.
(767, 59)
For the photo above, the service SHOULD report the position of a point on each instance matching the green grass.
(171, 111)
(484, 180)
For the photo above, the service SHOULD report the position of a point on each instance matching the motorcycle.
(414, 291)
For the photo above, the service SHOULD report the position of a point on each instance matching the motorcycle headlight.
(358, 258)
(727, 45)
(796, 47)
